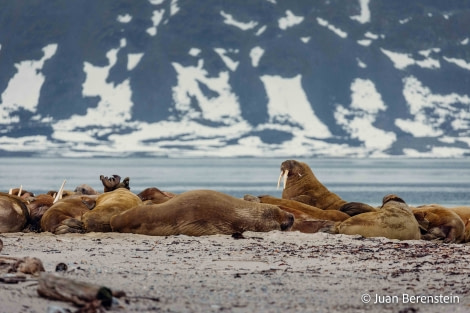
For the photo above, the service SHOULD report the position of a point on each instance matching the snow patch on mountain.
(459, 62)
(24, 87)
(289, 105)
(157, 17)
(364, 17)
(113, 110)
(289, 20)
(403, 60)
(222, 106)
(359, 118)
(230, 20)
(255, 54)
(430, 111)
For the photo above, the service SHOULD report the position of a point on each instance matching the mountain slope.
(235, 78)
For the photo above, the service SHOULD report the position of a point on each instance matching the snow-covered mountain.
(235, 78)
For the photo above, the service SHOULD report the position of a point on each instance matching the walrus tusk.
(285, 178)
(283, 174)
(10, 192)
(279, 180)
(61, 191)
(21, 189)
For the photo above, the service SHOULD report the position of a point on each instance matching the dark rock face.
(169, 77)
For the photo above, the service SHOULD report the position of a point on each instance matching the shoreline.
(265, 272)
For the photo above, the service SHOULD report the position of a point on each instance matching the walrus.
(85, 189)
(65, 215)
(202, 212)
(303, 222)
(20, 192)
(435, 221)
(108, 204)
(14, 215)
(394, 220)
(311, 211)
(37, 206)
(300, 184)
(438, 222)
(464, 213)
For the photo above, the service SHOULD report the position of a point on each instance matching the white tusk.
(285, 178)
(279, 180)
(19, 192)
(61, 191)
(11, 191)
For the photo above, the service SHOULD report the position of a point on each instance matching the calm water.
(418, 181)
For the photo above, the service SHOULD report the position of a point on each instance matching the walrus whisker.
(61, 191)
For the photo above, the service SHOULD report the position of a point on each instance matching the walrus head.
(291, 168)
(392, 197)
(85, 189)
(288, 222)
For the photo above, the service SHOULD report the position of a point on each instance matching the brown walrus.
(311, 211)
(14, 215)
(108, 204)
(435, 221)
(202, 212)
(65, 215)
(464, 213)
(394, 220)
(303, 222)
(438, 222)
(37, 206)
(300, 184)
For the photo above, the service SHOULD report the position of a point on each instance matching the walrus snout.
(288, 224)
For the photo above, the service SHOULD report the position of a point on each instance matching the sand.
(264, 272)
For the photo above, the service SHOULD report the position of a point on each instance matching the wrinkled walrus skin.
(107, 205)
(202, 212)
(14, 215)
(394, 220)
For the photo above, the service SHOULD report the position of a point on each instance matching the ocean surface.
(417, 181)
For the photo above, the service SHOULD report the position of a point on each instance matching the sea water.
(417, 181)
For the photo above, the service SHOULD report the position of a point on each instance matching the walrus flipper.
(355, 208)
(70, 225)
(114, 182)
(316, 226)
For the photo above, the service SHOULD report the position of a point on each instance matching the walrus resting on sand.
(311, 211)
(300, 184)
(65, 215)
(307, 219)
(435, 221)
(107, 205)
(202, 212)
(394, 220)
(14, 214)
(438, 222)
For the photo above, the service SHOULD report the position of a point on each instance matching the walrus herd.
(306, 206)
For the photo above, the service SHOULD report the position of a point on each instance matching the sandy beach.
(263, 272)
